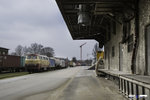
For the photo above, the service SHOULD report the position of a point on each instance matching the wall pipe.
(136, 44)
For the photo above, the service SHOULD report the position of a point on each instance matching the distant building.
(3, 51)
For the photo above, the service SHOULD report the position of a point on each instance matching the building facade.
(119, 47)
(122, 27)
(3, 51)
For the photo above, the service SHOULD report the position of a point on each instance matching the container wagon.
(52, 63)
(11, 63)
(22, 63)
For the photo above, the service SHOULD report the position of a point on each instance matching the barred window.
(114, 28)
(126, 31)
(3, 53)
(130, 43)
(113, 51)
(109, 31)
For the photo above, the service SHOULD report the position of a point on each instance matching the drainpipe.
(136, 44)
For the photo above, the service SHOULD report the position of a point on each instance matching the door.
(120, 56)
(148, 49)
(108, 59)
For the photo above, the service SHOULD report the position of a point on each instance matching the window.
(3, 53)
(126, 31)
(114, 28)
(40, 58)
(109, 31)
(130, 43)
(113, 51)
(31, 57)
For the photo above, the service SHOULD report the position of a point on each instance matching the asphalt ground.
(77, 83)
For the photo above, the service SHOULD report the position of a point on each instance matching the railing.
(133, 89)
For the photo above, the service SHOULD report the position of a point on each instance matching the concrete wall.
(115, 41)
(144, 19)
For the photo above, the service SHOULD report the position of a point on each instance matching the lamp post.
(81, 50)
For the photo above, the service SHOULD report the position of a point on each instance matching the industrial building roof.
(100, 12)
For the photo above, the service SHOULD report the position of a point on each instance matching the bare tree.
(26, 50)
(19, 50)
(48, 51)
(35, 48)
(13, 53)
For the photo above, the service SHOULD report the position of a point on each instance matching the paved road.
(76, 83)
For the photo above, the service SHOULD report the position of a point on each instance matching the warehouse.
(123, 28)
(119, 26)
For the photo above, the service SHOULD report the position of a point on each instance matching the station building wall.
(112, 63)
(144, 20)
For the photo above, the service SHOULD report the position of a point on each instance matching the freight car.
(52, 63)
(36, 63)
(57, 63)
(10, 63)
(61, 63)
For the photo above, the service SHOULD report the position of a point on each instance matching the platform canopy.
(90, 19)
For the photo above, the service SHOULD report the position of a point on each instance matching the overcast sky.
(38, 21)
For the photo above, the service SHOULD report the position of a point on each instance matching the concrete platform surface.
(75, 83)
(89, 87)
(113, 72)
(139, 78)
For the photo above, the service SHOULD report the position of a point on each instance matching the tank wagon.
(10, 63)
(36, 63)
(62, 63)
(57, 63)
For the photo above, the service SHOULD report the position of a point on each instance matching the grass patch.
(9, 75)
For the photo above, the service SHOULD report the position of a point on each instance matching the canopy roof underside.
(101, 13)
